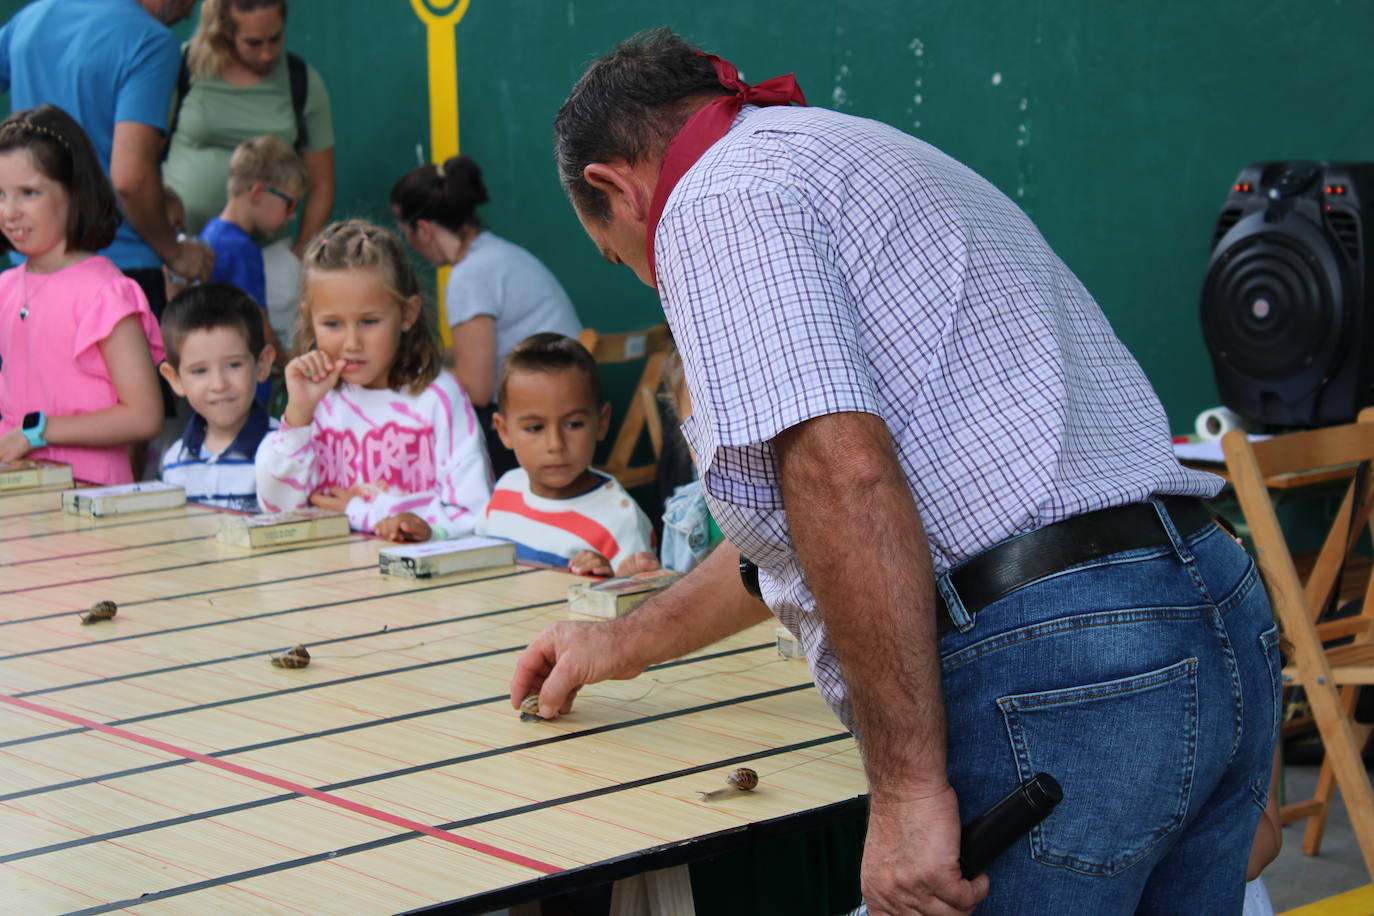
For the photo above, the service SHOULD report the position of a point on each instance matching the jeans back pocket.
(1124, 752)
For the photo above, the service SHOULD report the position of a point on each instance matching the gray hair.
(627, 107)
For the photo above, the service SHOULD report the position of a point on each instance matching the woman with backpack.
(237, 81)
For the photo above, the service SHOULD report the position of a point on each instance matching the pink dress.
(51, 360)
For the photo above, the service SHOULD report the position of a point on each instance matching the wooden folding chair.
(1330, 677)
(651, 346)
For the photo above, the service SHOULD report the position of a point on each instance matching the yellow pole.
(442, 46)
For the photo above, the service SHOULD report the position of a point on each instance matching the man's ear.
(603, 421)
(622, 186)
(165, 369)
(499, 423)
(265, 360)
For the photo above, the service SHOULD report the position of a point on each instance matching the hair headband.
(16, 126)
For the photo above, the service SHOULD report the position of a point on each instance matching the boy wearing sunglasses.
(266, 182)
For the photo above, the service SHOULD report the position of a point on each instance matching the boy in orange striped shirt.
(555, 507)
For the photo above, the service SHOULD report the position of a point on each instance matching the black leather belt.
(1024, 560)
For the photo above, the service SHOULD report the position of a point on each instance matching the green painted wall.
(1117, 126)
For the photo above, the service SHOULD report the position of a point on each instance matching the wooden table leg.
(667, 892)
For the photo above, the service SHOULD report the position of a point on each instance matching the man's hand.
(911, 859)
(334, 499)
(13, 445)
(192, 261)
(403, 526)
(706, 605)
(568, 655)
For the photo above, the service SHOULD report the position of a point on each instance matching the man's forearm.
(142, 206)
(863, 548)
(707, 605)
(319, 201)
(134, 172)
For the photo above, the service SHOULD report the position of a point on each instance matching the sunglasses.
(286, 198)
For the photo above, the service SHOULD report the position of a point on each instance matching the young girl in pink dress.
(373, 425)
(78, 344)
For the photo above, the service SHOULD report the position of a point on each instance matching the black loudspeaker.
(1288, 300)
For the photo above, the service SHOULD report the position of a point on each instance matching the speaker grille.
(1347, 230)
(1270, 308)
(1229, 217)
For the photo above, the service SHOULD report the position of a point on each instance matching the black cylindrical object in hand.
(993, 832)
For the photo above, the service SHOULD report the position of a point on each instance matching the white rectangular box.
(122, 499)
(25, 475)
(269, 530)
(612, 598)
(444, 558)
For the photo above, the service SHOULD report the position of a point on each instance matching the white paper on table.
(1207, 451)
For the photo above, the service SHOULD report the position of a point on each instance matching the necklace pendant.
(24, 312)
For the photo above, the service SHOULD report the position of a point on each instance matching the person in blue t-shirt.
(266, 180)
(111, 65)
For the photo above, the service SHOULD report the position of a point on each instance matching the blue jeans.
(1147, 683)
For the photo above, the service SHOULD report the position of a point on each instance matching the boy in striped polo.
(216, 356)
(555, 507)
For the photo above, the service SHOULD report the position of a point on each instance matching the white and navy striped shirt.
(813, 263)
(226, 480)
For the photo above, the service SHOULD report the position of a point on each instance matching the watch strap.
(34, 433)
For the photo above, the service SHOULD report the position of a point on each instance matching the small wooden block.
(269, 530)
(444, 558)
(123, 499)
(611, 598)
(26, 475)
(788, 645)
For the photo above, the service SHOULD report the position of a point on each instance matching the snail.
(101, 610)
(529, 709)
(296, 657)
(741, 779)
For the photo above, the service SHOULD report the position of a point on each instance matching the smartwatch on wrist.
(34, 425)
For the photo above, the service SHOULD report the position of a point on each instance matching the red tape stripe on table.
(288, 785)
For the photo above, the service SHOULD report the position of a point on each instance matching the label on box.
(305, 524)
(124, 498)
(25, 475)
(442, 558)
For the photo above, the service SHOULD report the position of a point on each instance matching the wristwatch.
(34, 425)
(749, 576)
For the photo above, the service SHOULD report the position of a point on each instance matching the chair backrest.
(1328, 659)
(652, 346)
(1299, 459)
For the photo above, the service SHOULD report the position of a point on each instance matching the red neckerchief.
(707, 126)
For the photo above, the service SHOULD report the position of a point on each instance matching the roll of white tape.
(1217, 422)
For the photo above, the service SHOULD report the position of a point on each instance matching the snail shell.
(296, 657)
(529, 709)
(101, 610)
(743, 779)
